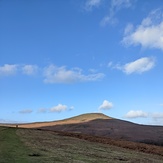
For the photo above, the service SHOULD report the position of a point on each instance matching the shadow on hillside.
(114, 128)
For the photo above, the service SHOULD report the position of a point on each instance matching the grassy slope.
(12, 149)
(53, 147)
(27, 145)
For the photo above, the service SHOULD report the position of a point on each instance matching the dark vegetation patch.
(35, 155)
(116, 129)
(152, 149)
(153, 142)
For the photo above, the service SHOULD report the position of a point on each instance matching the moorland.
(85, 138)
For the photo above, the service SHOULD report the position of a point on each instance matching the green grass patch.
(12, 149)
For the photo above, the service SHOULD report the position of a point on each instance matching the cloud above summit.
(106, 105)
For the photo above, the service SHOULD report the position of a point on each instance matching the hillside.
(32, 145)
(98, 124)
(88, 138)
(111, 128)
(88, 117)
(77, 119)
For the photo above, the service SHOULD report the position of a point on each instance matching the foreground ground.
(30, 145)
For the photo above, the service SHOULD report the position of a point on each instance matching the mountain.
(77, 119)
(103, 126)
(98, 124)
(88, 117)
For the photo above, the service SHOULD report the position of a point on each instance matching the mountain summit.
(73, 120)
(88, 117)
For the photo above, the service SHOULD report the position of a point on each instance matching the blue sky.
(68, 57)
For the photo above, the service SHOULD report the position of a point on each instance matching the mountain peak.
(73, 120)
(89, 116)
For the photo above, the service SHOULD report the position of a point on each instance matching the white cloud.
(30, 69)
(149, 33)
(116, 5)
(8, 69)
(54, 74)
(136, 114)
(90, 4)
(139, 66)
(58, 108)
(25, 111)
(106, 105)
(155, 118)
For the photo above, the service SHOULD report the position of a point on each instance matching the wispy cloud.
(149, 34)
(11, 69)
(58, 108)
(136, 114)
(116, 5)
(30, 69)
(26, 111)
(106, 105)
(54, 74)
(157, 115)
(156, 118)
(90, 4)
(42, 110)
(71, 108)
(8, 69)
(110, 64)
(5, 121)
(138, 66)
